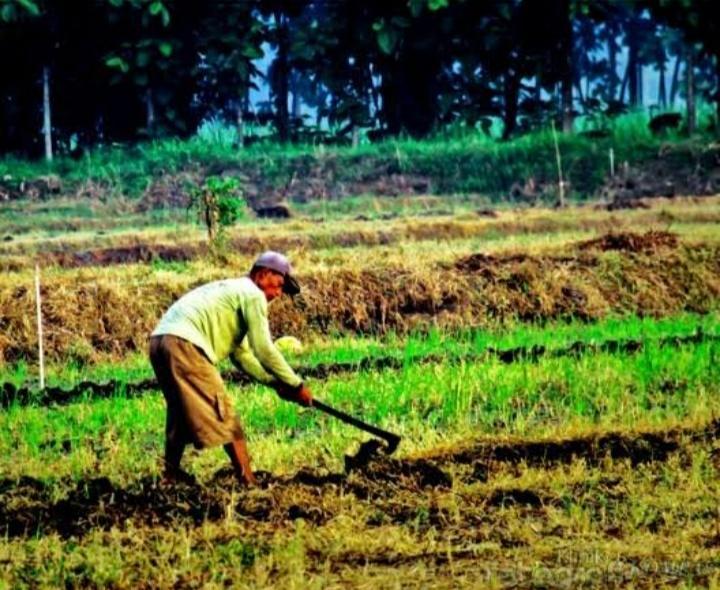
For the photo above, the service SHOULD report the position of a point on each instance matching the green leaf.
(156, 8)
(165, 17)
(165, 48)
(118, 63)
(437, 4)
(252, 52)
(387, 39)
(30, 6)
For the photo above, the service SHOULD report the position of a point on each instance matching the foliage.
(125, 70)
(219, 204)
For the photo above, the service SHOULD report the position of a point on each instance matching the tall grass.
(471, 162)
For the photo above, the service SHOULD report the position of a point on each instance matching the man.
(221, 319)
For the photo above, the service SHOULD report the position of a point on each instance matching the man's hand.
(300, 395)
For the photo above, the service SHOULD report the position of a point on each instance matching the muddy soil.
(671, 174)
(27, 394)
(396, 488)
(146, 253)
(648, 242)
(124, 255)
(26, 508)
(66, 255)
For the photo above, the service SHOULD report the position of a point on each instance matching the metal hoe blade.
(392, 440)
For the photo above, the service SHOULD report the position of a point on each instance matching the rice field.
(554, 377)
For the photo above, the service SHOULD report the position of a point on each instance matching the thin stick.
(39, 327)
(612, 163)
(559, 165)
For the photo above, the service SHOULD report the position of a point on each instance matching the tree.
(697, 20)
(229, 39)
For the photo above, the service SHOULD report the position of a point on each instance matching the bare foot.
(175, 476)
(247, 480)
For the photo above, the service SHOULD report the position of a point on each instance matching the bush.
(219, 204)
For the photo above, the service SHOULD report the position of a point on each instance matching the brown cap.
(280, 264)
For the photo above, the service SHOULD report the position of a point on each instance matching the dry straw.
(99, 313)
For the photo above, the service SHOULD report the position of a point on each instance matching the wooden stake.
(39, 327)
(561, 183)
(612, 163)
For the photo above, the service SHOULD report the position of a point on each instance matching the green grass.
(455, 164)
(122, 438)
(553, 335)
(347, 350)
(595, 519)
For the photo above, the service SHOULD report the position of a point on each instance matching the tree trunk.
(633, 63)
(149, 112)
(319, 113)
(612, 62)
(662, 92)
(690, 90)
(566, 66)
(581, 95)
(717, 92)
(242, 108)
(296, 107)
(281, 82)
(640, 85)
(47, 123)
(624, 85)
(674, 81)
(511, 95)
(240, 122)
(374, 93)
(410, 94)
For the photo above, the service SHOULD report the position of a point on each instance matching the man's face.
(270, 282)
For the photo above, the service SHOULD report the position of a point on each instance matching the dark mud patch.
(26, 508)
(483, 262)
(677, 170)
(632, 242)
(429, 557)
(421, 473)
(147, 253)
(401, 490)
(515, 497)
(624, 205)
(125, 255)
(638, 448)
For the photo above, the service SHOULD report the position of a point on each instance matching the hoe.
(368, 448)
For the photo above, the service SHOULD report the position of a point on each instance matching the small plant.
(219, 204)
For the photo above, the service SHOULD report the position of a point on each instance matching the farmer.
(221, 319)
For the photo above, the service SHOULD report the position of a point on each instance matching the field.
(554, 375)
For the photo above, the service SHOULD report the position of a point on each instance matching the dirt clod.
(632, 242)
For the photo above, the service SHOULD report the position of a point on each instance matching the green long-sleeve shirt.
(229, 319)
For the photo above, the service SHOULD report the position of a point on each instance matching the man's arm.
(243, 358)
(261, 344)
